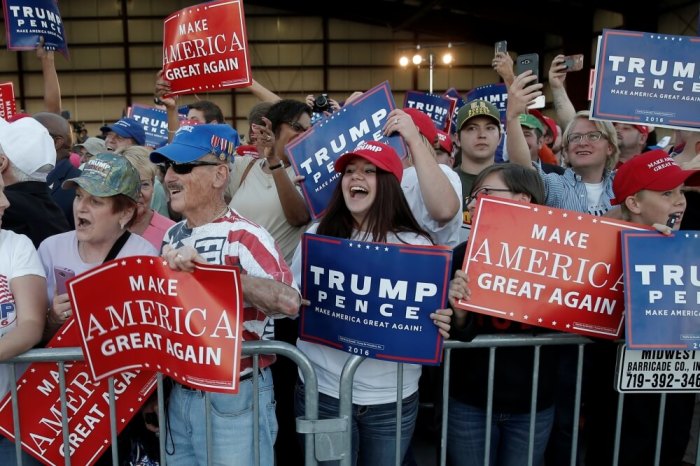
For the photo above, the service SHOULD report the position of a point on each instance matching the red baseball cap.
(248, 149)
(381, 155)
(445, 141)
(549, 122)
(654, 170)
(642, 129)
(425, 124)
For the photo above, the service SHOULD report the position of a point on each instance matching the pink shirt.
(156, 229)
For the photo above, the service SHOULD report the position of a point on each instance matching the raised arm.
(170, 103)
(503, 65)
(523, 90)
(263, 93)
(562, 104)
(440, 199)
(52, 88)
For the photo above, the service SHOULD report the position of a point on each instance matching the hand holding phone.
(528, 61)
(61, 276)
(573, 62)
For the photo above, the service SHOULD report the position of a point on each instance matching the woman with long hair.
(369, 205)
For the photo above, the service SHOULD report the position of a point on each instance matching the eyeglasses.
(146, 184)
(296, 126)
(576, 138)
(486, 191)
(185, 168)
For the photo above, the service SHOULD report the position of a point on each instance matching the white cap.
(29, 146)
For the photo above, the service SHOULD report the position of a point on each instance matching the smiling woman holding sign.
(368, 205)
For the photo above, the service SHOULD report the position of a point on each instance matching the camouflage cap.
(475, 108)
(108, 174)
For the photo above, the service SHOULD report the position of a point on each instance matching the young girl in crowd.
(512, 388)
(368, 205)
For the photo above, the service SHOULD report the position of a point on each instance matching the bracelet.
(275, 167)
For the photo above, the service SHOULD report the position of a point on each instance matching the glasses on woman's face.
(485, 191)
(185, 168)
(577, 138)
(146, 185)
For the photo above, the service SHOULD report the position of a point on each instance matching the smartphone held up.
(574, 62)
(501, 46)
(527, 61)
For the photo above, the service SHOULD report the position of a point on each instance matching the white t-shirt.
(18, 258)
(62, 250)
(447, 234)
(375, 380)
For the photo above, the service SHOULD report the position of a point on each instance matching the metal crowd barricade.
(309, 424)
(330, 439)
(493, 342)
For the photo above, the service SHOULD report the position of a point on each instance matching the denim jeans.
(373, 427)
(9, 458)
(231, 421)
(466, 436)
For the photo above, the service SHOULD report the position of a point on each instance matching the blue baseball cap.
(128, 128)
(193, 142)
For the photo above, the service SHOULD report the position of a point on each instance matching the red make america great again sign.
(546, 267)
(205, 48)
(185, 325)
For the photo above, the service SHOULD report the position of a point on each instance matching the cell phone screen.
(501, 46)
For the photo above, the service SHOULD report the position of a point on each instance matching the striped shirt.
(234, 240)
(568, 191)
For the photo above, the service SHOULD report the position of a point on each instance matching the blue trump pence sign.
(312, 155)
(374, 299)
(662, 290)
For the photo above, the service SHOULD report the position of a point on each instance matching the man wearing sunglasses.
(197, 173)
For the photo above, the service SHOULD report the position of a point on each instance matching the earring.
(122, 225)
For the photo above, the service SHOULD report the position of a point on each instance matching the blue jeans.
(466, 436)
(9, 458)
(373, 427)
(231, 422)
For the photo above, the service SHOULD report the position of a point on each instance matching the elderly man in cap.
(27, 155)
(90, 148)
(197, 173)
(124, 133)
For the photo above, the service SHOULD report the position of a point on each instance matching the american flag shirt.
(234, 240)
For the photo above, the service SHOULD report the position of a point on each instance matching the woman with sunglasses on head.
(368, 205)
(263, 191)
(512, 386)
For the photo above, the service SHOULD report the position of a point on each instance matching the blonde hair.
(138, 157)
(604, 127)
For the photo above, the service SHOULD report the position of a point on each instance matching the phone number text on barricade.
(658, 371)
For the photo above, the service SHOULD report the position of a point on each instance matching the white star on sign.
(138, 261)
(565, 215)
(539, 320)
(554, 322)
(579, 217)
(123, 262)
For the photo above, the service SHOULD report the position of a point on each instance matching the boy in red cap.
(648, 187)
